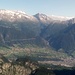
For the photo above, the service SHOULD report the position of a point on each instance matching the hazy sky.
(49, 7)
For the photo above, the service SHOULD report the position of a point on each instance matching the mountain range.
(17, 27)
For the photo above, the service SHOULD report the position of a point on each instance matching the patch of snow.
(61, 18)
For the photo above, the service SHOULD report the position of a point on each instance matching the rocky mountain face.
(64, 40)
(40, 29)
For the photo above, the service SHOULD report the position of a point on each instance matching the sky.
(48, 7)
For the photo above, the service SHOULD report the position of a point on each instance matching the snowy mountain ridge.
(61, 18)
(12, 15)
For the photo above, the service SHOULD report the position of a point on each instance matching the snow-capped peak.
(12, 15)
(43, 18)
